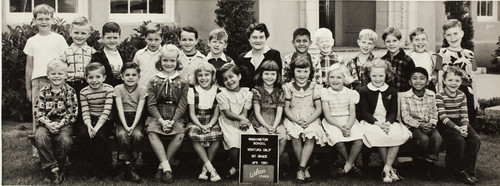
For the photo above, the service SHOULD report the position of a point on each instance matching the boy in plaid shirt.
(402, 64)
(356, 66)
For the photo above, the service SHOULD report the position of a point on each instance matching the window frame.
(27, 17)
(494, 12)
(167, 16)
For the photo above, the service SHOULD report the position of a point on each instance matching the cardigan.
(249, 71)
(368, 103)
(179, 88)
(100, 57)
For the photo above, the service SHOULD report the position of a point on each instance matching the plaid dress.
(204, 116)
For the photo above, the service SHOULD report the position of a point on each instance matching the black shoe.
(158, 175)
(167, 177)
(230, 176)
(355, 171)
(56, 176)
(473, 178)
(339, 173)
(134, 176)
(466, 178)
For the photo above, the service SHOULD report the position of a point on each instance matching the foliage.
(460, 10)
(487, 124)
(485, 103)
(235, 17)
(495, 61)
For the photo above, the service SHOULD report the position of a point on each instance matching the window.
(141, 10)
(21, 10)
(487, 10)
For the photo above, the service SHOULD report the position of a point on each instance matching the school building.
(344, 18)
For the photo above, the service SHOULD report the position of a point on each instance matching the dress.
(268, 105)
(167, 99)
(302, 106)
(204, 111)
(235, 102)
(374, 136)
(338, 103)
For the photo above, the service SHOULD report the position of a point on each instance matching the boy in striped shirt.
(96, 101)
(461, 141)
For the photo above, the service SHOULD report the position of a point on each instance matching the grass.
(20, 168)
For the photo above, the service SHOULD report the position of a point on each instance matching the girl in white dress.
(234, 102)
(340, 122)
(302, 111)
(378, 106)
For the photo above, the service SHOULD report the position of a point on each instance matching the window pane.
(51, 3)
(20, 5)
(479, 8)
(119, 6)
(483, 8)
(488, 8)
(67, 6)
(156, 6)
(138, 6)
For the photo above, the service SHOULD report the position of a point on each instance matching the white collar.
(222, 56)
(373, 88)
(163, 76)
(343, 91)
(249, 54)
(212, 91)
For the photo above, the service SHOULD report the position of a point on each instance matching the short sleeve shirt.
(130, 100)
(235, 101)
(338, 101)
(206, 97)
(44, 49)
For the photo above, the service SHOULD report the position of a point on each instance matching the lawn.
(20, 168)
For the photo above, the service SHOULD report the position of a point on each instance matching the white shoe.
(395, 175)
(306, 173)
(214, 176)
(386, 177)
(203, 174)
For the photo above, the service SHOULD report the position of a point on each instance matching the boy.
(324, 41)
(110, 56)
(461, 140)
(217, 41)
(419, 114)
(430, 61)
(189, 57)
(55, 112)
(147, 57)
(97, 101)
(130, 98)
(402, 64)
(366, 42)
(455, 55)
(301, 41)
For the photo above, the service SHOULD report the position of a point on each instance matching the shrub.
(487, 124)
(485, 103)
(460, 10)
(495, 61)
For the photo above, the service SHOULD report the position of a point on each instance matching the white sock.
(387, 168)
(209, 166)
(347, 167)
(165, 166)
(233, 171)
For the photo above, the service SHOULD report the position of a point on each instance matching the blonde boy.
(325, 42)
(366, 42)
(217, 41)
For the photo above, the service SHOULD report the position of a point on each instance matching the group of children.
(308, 99)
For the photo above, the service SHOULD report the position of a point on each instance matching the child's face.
(205, 79)
(454, 36)
(153, 40)
(420, 42)
(43, 22)
(257, 40)
(336, 80)
(392, 43)
(377, 75)
(231, 80)
(302, 75)
(217, 46)
(169, 62)
(325, 44)
(111, 40)
(80, 34)
(452, 82)
(269, 77)
(130, 77)
(188, 42)
(57, 75)
(418, 81)
(366, 45)
(95, 78)
(302, 43)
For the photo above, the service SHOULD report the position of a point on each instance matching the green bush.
(495, 62)
(487, 124)
(460, 10)
(485, 103)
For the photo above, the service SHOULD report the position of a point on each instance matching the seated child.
(301, 41)
(55, 112)
(130, 98)
(428, 60)
(356, 66)
(217, 41)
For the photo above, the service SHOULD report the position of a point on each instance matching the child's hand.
(129, 130)
(244, 124)
(205, 128)
(464, 131)
(302, 123)
(346, 131)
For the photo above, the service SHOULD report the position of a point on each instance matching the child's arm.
(151, 103)
(71, 109)
(464, 114)
(85, 109)
(289, 114)
(442, 112)
(182, 105)
(433, 113)
(138, 113)
(258, 116)
(328, 116)
(364, 110)
(279, 115)
(352, 115)
(29, 71)
(316, 113)
(108, 104)
(405, 114)
(215, 117)
(193, 116)
(121, 113)
(392, 113)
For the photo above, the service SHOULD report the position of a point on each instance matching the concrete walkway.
(488, 85)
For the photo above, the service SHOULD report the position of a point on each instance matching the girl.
(166, 104)
(268, 102)
(378, 109)
(340, 122)
(302, 110)
(234, 103)
(203, 111)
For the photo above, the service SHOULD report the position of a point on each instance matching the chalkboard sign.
(259, 158)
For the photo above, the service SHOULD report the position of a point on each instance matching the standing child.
(110, 56)
(301, 42)
(340, 124)
(378, 106)
(167, 104)
(268, 102)
(147, 57)
(302, 111)
(419, 114)
(455, 55)
(217, 41)
(366, 42)
(97, 101)
(204, 130)
(428, 60)
(234, 103)
(130, 98)
(189, 57)
(461, 140)
(324, 41)
(402, 64)
(55, 112)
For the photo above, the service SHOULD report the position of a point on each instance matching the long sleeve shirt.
(175, 85)
(56, 107)
(97, 102)
(402, 66)
(77, 59)
(452, 107)
(416, 110)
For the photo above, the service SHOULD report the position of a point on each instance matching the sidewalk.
(488, 85)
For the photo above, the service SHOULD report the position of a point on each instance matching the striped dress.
(205, 104)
